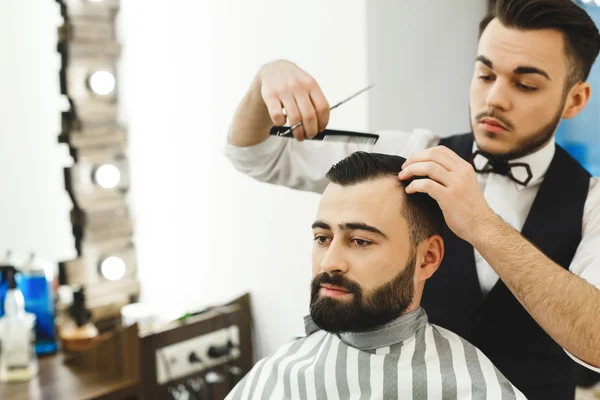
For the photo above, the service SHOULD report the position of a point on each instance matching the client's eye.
(361, 242)
(320, 239)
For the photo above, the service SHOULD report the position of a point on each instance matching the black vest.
(497, 324)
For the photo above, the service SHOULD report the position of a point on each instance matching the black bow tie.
(502, 167)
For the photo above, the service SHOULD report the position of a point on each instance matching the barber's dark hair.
(422, 213)
(582, 39)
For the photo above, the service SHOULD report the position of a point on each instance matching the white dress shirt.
(303, 165)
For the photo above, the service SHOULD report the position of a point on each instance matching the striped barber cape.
(405, 359)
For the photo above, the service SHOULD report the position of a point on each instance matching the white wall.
(167, 90)
(421, 55)
(34, 205)
(269, 227)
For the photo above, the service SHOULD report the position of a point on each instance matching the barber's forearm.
(251, 122)
(564, 305)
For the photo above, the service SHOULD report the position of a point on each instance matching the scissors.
(333, 107)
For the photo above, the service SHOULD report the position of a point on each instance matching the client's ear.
(429, 256)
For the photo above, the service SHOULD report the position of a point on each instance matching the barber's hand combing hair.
(452, 182)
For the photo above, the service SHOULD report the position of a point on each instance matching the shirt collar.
(538, 161)
(391, 333)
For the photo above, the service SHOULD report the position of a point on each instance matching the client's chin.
(337, 315)
(334, 315)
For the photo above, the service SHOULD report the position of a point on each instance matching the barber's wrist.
(488, 230)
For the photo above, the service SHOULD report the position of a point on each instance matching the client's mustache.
(335, 280)
(493, 114)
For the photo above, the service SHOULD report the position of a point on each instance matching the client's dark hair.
(422, 213)
(582, 39)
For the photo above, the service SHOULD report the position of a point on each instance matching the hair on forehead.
(422, 213)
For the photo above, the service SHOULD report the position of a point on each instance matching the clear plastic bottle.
(5, 265)
(17, 358)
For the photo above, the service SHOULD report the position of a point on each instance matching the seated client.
(366, 336)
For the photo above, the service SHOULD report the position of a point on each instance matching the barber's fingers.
(441, 155)
(293, 114)
(291, 94)
(429, 169)
(321, 106)
(434, 189)
(308, 114)
(275, 109)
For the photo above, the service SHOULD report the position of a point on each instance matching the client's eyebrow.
(322, 225)
(350, 226)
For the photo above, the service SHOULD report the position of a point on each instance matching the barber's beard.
(529, 145)
(364, 311)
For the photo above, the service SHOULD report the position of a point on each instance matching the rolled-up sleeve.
(303, 165)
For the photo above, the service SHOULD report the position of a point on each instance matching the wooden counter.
(57, 381)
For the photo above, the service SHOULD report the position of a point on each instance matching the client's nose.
(334, 261)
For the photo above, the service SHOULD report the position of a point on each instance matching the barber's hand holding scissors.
(285, 85)
(452, 182)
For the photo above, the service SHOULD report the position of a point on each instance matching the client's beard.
(364, 312)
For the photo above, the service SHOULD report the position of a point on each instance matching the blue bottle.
(36, 286)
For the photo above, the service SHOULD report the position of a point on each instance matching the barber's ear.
(430, 253)
(577, 99)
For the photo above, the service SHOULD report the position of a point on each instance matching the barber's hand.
(285, 85)
(452, 182)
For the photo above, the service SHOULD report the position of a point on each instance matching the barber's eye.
(525, 87)
(486, 78)
(361, 242)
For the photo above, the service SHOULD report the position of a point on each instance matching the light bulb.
(108, 176)
(113, 268)
(102, 82)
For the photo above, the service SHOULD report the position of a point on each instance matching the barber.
(521, 275)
